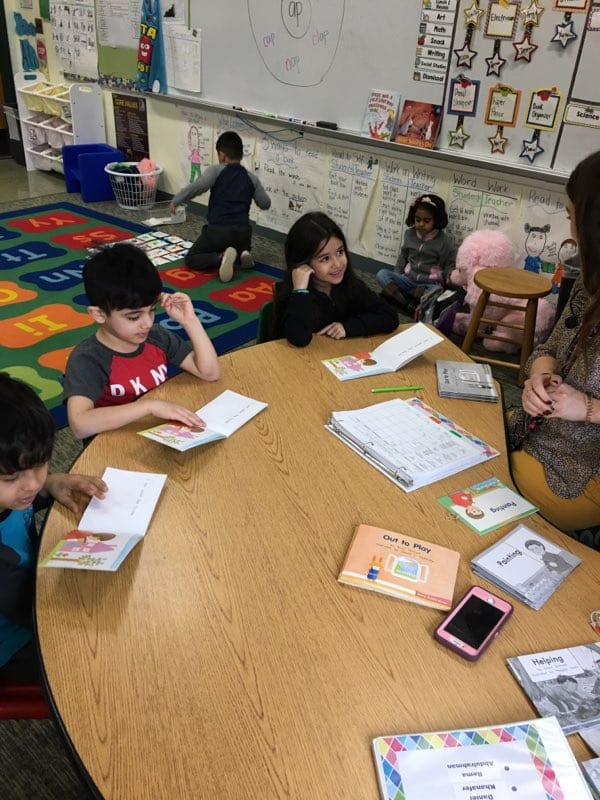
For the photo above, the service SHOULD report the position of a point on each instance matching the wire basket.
(134, 190)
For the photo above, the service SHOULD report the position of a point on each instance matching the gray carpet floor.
(34, 762)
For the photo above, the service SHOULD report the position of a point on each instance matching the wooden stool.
(514, 283)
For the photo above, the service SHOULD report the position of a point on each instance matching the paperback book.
(409, 442)
(109, 529)
(401, 566)
(418, 124)
(591, 771)
(526, 565)
(223, 416)
(392, 354)
(381, 114)
(466, 381)
(530, 759)
(487, 505)
(564, 683)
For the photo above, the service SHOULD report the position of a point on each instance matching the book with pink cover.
(401, 566)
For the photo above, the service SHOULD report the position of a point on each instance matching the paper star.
(531, 15)
(495, 64)
(524, 49)
(473, 14)
(464, 56)
(458, 137)
(531, 149)
(564, 33)
(498, 142)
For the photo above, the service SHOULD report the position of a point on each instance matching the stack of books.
(466, 380)
(526, 565)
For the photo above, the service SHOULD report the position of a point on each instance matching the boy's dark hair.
(119, 277)
(436, 207)
(531, 542)
(231, 145)
(26, 427)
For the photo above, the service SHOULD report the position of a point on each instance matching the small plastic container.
(34, 131)
(32, 95)
(52, 98)
(40, 156)
(57, 131)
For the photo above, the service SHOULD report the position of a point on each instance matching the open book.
(530, 759)
(392, 354)
(409, 442)
(401, 566)
(223, 416)
(109, 529)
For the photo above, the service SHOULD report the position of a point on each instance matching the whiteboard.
(309, 59)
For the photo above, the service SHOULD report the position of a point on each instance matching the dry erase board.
(319, 59)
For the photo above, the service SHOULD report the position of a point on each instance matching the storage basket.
(133, 190)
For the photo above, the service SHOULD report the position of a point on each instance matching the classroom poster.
(196, 144)
(480, 201)
(348, 193)
(292, 175)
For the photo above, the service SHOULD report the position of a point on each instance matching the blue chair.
(84, 170)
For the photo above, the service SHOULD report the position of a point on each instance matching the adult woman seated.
(555, 437)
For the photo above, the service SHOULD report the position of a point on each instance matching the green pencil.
(397, 389)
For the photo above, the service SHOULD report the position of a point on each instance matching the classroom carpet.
(43, 306)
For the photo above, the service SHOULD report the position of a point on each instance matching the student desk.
(223, 660)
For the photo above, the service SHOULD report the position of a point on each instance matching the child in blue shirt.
(426, 258)
(26, 441)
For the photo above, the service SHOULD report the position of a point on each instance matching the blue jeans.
(403, 282)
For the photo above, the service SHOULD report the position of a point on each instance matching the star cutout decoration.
(531, 150)
(495, 64)
(524, 49)
(473, 14)
(564, 33)
(498, 142)
(465, 55)
(531, 15)
(458, 137)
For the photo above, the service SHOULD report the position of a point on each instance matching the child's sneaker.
(227, 261)
(246, 260)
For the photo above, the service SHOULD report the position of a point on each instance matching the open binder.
(409, 442)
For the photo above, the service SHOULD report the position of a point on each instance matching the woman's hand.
(537, 393)
(301, 276)
(335, 331)
(568, 403)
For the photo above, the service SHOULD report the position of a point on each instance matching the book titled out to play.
(401, 566)
(109, 529)
(392, 354)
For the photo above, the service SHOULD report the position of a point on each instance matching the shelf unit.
(55, 114)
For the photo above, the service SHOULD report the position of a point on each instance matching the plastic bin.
(133, 190)
(15, 136)
(33, 130)
(57, 131)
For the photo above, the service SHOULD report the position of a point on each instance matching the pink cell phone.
(474, 623)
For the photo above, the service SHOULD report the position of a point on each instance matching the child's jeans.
(403, 282)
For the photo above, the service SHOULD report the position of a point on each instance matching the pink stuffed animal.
(492, 248)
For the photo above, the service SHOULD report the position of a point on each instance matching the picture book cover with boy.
(381, 114)
(401, 566)
(419, 124)
(487, 505)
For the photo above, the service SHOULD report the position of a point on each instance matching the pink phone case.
(451, 639)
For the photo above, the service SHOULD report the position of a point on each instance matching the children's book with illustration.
(409, 442)
(564, 683)
(466, 380)
(392, 354)
(418, 124)
(526, 565)
(530, 759)
(487, 505)
(381, 114)
(401, 566)
(223, 416)
(109, 529)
